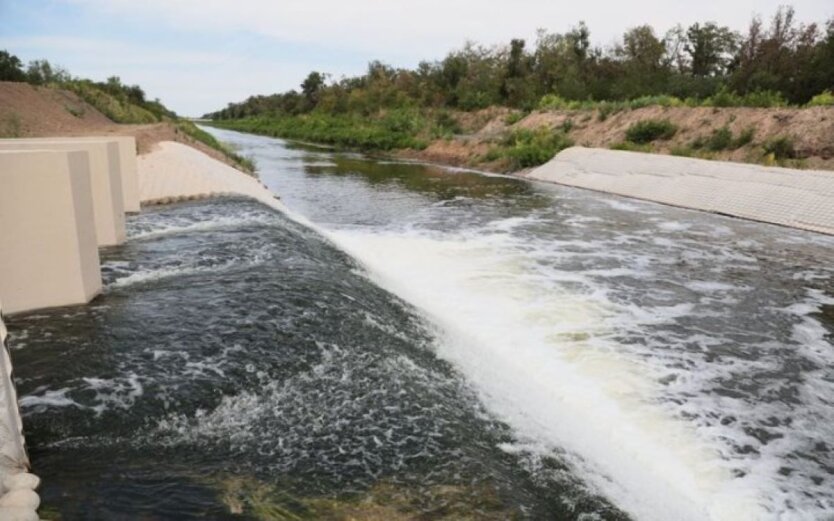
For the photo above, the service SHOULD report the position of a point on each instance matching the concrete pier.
(49, 255)
(797, 198)
(127, 162)
(105, 177)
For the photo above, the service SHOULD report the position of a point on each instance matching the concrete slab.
(49, 255)
(789, 197)
(106, 182)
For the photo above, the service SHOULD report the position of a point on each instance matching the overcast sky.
(197, 55)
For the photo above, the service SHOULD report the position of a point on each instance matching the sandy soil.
(811, 131)
(31, 111)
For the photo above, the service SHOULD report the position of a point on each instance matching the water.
(437, 344)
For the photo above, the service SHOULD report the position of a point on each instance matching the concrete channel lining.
(789, 197)
(127, 162)
(105, 175)
(49, 255)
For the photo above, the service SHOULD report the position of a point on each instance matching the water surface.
(437, 343)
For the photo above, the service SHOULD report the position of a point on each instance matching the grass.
(193, 131)
(114, 108)
(650, 130)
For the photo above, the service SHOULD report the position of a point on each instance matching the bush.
(650, 130)
(823, 99)
(526, 148)
(721, 139)
(514, 117)
(682, 151)
(780, 148)
(745, 138)
(761, 99)
(631, 147)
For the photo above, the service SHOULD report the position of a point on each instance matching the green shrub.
(553, 102)
(514, 117)
(650, 130)
(823, 99)
(762, 99)
(526, 148)
(631, 146)
(780, 148)
(118, 110)
(567, 126)
(721, 139)
(662, 100)
(682, 151)
(10, 126)
(745, 138)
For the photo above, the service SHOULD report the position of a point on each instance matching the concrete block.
(127, 162)
(105, 178)
(49, 256)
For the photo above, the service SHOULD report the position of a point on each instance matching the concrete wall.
(789, 197)
(127, 162)
(105, 175)
(49, 255)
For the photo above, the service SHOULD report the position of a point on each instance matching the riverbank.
(28, 111)
(503, 140)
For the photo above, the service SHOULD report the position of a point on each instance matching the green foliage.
(760, 98)
(650, 130)
(780, 148)
(10, 126)
(445, 125)
(350, 131)
(193, 131)
(745, 138)
(823, 99)
(721, 139)
(514, 117)
(11, 68)
(526, 148)
(117, 108)
(682, 151)
(630, 146)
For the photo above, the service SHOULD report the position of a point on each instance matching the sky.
(198, 55)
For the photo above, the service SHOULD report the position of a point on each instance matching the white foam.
(541, 358)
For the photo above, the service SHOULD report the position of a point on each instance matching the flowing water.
(416, 342)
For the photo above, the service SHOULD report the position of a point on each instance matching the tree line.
(781, 62)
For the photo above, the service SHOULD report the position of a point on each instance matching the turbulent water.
(432, 343)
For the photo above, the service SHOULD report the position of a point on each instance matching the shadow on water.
(238, 366)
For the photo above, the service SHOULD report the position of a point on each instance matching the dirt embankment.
(810, 130)
(32, 111)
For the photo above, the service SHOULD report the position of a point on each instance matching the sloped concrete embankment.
(801, 199)
(175, 172)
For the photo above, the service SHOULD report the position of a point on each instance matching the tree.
(311, 86)
(41, 72)
(710, 48)
(11, 68)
